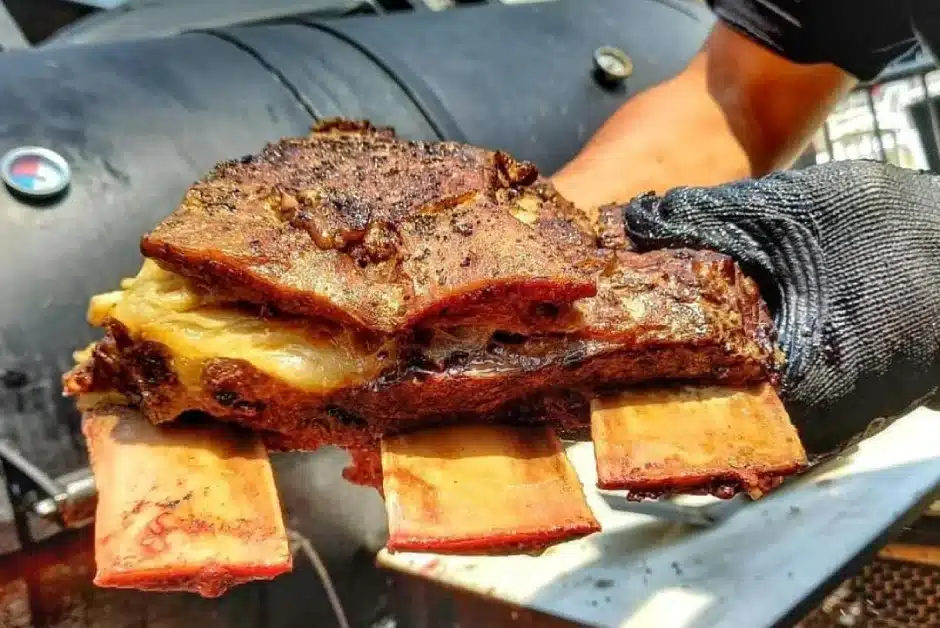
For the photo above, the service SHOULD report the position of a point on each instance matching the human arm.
(737, 110)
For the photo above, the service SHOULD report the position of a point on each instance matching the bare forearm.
(728, 115)
(671, 134)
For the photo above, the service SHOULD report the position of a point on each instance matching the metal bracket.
(68, 500)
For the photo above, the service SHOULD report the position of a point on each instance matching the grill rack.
(888, 593)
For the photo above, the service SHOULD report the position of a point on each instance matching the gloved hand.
(848, 258)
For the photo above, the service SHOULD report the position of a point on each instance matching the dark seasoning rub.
(392, 225)
(487, 296)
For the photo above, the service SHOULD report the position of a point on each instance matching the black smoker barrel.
(138, 121)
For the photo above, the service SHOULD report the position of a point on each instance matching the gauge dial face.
(35, 172)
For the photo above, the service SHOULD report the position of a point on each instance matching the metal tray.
(697, 563)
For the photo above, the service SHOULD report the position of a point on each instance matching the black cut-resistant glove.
(847, 256)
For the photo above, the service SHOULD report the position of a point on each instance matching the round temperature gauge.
(35, 172)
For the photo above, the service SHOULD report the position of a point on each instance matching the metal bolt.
(611, 65)
(74, 506)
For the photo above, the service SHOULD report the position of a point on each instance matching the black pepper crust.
(506, 303)
(353, 225)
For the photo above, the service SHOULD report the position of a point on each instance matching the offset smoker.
(138, 121)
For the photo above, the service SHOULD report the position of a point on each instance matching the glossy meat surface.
(355, 226)
(662, 317)
(348, 286)
(548, 309)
